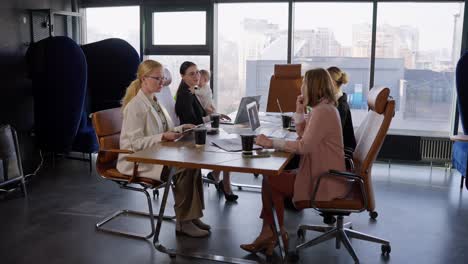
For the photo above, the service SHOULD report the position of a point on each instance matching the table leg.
(174, 252)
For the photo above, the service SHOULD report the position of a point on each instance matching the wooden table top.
(184, 153)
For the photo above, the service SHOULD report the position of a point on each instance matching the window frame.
(147, 30)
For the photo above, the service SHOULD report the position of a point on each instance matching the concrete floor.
(421, 211)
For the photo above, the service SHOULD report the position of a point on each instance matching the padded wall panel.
(112, 66)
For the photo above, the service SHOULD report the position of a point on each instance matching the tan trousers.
(188, 193)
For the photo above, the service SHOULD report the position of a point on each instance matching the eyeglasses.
(159, 79)
(192, 74)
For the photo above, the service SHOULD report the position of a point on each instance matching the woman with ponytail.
(146, 123)
(340, 78)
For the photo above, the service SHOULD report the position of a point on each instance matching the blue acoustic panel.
(58, 71)
(112, 66)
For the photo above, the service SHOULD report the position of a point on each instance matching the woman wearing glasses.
(145, 124)
(190, 111)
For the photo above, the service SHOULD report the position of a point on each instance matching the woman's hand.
(187, 126)
(171, 136)
(300, 104)
(263, 141)
(225, 117)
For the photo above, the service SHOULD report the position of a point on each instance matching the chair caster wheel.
(155, 193)
(293, 256)
(373, 215)
(386, 249)
(300, 233)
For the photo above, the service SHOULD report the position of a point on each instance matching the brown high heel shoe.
(261, 244)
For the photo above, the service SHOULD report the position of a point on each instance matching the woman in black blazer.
(340, 78)
(190, 111)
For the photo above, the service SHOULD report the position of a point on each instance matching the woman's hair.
(185, 65)
(318, 86)
(144, 69)
(205, 73)
(340, 77)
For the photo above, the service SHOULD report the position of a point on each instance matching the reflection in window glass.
(114, 22)
(328, 34)
(417, 48)
(249, 44)
(179, 28)
(172, 63)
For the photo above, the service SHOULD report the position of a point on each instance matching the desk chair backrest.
(285, 86)
(462, 91)
(107, 124)
(370, 136)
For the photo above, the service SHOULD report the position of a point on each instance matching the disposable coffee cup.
(247, 143)
(200, 136)
(286, 120)
(215, 120)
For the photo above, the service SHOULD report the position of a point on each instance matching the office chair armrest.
(124, 151)
(348, 151)
(462, 138)
(351, 177)
(346, 174)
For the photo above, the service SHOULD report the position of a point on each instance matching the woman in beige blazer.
(320, 146)
(145, 124)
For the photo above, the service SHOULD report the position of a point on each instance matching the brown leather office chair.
(107, 124)
(369, 137)
(285, 86)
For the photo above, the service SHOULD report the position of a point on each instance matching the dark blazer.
(187, 107)
(346, 122)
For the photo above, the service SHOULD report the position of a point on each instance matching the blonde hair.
(144, 69)
(205, 73)
(340, 77)
(318, 86)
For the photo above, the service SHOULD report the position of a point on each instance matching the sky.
(434, 20)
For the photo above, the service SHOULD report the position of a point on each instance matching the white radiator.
(436, 149)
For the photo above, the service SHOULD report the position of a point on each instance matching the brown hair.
(143, 69)
(340, 77)
(318, 86)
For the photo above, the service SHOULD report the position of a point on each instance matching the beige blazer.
(142, 128)
(320, 145)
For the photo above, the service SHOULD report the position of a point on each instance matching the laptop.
(241, 116)
(254, 125)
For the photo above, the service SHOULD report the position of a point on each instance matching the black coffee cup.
(286, 120)
(247, 143)
(200, 136)
(215, 120)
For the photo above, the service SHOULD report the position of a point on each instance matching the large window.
(417, 48)
(114, 22)
(330, 34)
(191, 32)
(251, 38)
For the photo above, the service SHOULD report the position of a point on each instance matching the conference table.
(184, 154)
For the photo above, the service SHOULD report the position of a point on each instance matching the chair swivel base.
(342, 234)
